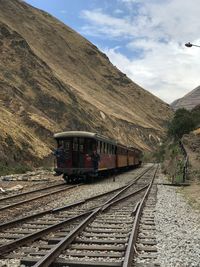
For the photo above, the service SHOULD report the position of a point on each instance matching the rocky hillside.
(53, 79)
(189, 101)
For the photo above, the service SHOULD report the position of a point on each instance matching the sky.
(144, 38)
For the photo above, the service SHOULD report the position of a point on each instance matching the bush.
(196, 115)
(182, 123)
(5, 170)
(159, 154)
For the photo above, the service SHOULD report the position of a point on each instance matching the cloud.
(158, 30)
(163, 71)
(118, 11)
(105, 24)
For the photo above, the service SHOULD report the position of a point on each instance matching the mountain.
(189, 101)
(52, 79)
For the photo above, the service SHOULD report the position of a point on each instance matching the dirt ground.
(192, 194)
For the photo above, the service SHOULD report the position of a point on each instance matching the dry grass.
(192, 195)
(52, 79)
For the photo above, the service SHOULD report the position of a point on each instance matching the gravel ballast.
(178, 229)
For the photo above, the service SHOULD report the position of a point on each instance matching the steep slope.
(189, 101)
(52, 79)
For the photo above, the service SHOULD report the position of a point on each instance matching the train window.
(90, 145)
(60, 142)
(81, 144)
(110, 149)
(99, 147)
(75, 144)
(104, 148)
(67, 145)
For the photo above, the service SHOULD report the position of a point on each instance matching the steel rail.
(133, 236)
(25, 218)
(33, 236)
(56, 250)
(31, 191)
(37, 197)
(5, 225)
(128, 186)
(124, 197)
(53, 253)
(49, 211)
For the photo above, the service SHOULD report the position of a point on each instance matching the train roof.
(83, 134)
(91, 135)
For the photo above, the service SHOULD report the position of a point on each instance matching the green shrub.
(182, 123)
(196, 115)
(18, 168)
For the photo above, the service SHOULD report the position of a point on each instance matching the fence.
(186, 161)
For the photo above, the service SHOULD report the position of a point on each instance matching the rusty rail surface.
(128, 258)
(53, 253)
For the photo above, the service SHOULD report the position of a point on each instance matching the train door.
(63, 153)
(68, 152)
(90, 146)
(78, 152)
(81, 152)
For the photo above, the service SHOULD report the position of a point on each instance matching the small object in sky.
(188, 44)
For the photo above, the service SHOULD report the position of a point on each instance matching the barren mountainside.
(52, 79)
(189, 101)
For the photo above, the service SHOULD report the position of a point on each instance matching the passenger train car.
(74, 155)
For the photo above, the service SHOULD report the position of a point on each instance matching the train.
(86, 155)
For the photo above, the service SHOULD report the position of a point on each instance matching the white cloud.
(118, 11)
(159, 29)
(166, 71)
(105, 24)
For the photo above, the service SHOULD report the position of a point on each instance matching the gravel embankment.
(178, 229)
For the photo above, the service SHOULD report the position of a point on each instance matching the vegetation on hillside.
(183, 122)
(169, 152)
(18, 168)
(55, 80)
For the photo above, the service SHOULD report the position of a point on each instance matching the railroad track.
(90, 234)
(29, 196)
(145, 250)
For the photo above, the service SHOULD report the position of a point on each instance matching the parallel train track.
(29, 196)
(90, 233)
